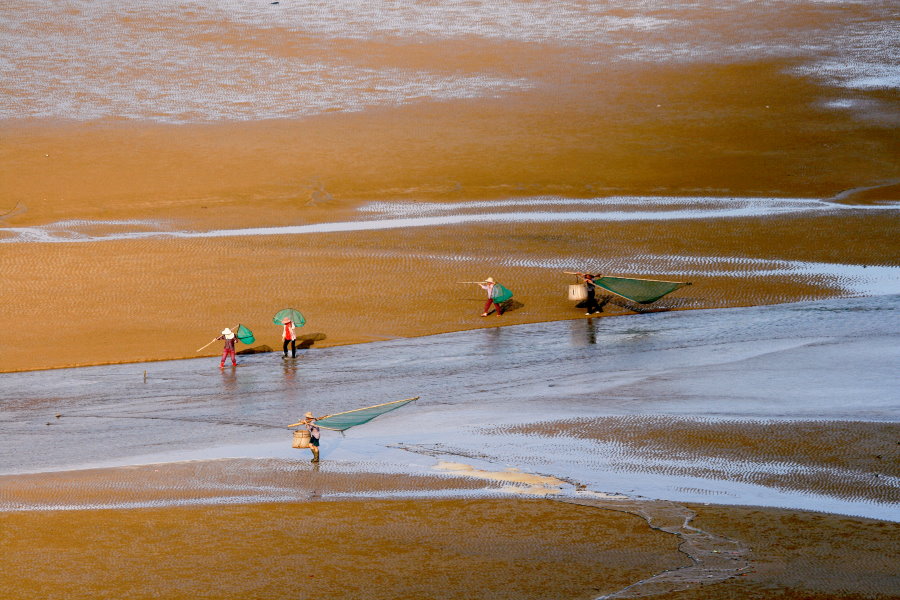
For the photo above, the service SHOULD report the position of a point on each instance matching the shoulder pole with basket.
(577, 291)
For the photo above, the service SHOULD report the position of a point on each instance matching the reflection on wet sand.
(169, 169)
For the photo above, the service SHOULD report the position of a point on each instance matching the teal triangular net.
(500, 293)
(351, 418)
(245, 335)
(289, 313)
(642, 291)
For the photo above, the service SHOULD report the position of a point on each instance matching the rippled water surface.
(238, 60)
(826, 362)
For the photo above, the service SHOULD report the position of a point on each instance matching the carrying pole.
(235, 328)
(213, 340)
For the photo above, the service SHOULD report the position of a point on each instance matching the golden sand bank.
(254, 528)
(743, 129)
(425, 548)
(137, 300)
(750, 129)
(351, 549)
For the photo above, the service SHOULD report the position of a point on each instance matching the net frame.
(243, 337)
(608, 283)
(292, 314)
(399, 403)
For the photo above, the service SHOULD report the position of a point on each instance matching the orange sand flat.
(505, 548)
(121, 532)
(748, 129)
(375, 549)
(585, 128)
(399, 548)
(125, 301)
(796, 555)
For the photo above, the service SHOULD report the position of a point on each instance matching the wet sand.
(700, 100)
(403, 548)
(149, 299)
(349, 549)
(524, 490)
(589, 124)
(865, 454)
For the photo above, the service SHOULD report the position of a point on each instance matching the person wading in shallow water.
(289, 336)
(488, 286)
(591, 305)
(228, 350)
(310, 422)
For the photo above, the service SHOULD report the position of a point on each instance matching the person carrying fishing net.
(591, 304)
(497, 295)
(289, 337)
(240, 333)
(309, 421)
(228, 350)
(341, 421)
(490, 286)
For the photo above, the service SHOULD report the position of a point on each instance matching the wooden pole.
(213, 340)
(234, 329)
(414, 398)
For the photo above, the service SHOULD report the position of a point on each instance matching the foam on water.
(852, 279)
(183, 62)
(406, 215)
(761, 206)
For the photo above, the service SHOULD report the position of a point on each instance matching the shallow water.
(828, 361)
(544, 209)
(226, 60)
(849, 279)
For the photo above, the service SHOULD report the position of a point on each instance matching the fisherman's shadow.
(639, 308)
(602, 301)
(510, 306)
(634, 307)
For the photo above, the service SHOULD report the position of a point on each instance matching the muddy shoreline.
(168, 171)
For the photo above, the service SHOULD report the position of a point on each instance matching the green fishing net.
(642, 291)
(289, 313)
(244, 335)
(500, 293)
(351, 418)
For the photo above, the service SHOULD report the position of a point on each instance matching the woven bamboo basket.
(577, 292)
(301, 439)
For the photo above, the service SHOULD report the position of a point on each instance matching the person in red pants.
(488, 286)
(228, 350)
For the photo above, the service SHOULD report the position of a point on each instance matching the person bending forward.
(489, 285)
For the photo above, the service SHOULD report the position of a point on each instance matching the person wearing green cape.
(489, 285)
